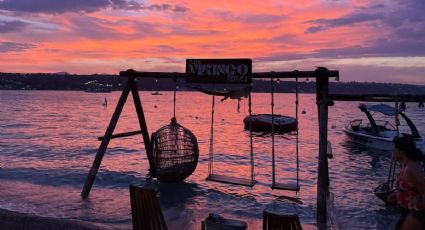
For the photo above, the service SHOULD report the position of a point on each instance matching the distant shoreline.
(17, 81)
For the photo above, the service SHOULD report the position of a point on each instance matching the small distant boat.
(156, 93)
(379, 134)
(96, 87)
(263, 123)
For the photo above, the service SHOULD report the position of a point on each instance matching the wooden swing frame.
(321, 75)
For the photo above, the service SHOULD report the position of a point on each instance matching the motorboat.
(379, 134)
(263, 123)
(96, 87)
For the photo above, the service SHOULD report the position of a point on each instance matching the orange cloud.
(115, 37)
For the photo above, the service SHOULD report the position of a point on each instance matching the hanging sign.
(224, 71)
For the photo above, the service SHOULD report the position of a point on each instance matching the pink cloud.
(115, 34)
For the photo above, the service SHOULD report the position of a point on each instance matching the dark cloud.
(314, 29)
(287, 38)
(53, 6)
(283, 57)
(347, 20)
(12, 26)
(93, 28)
(377, 48)
(179, 8)
(185, 32)
(159, 7)
(100, 29)
(405, 75)
(251, 18)
(403, 21)
(87, 6)
(167, 49)
(261, 18)
(6, 47)
(377, 6)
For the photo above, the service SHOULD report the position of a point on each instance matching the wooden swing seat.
(290, 186)
(231, 180)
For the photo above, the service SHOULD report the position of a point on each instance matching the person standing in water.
(410, 185)
(105, 103)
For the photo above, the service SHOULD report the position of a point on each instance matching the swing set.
(250, 182)
(227, 71)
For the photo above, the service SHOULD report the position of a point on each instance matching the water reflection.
(48, 141)
(378, 157)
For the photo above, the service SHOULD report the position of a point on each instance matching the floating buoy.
(263, 123)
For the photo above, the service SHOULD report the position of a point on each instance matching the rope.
(273, 136)
(296, 117)
(211, 148)
(391, 175)
(211, 153)
(397, 120)
(174, 99)
(273, 156)
(403, 106)
(250, 139)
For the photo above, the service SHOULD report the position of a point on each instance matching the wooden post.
(142, 123)
(104, 144)
(322, 82)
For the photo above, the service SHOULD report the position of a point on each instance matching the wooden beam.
(231, 180)
(118, 135)
(142, 124)
(104, 144)
(259, 75)
(322, 82)
(378, 97)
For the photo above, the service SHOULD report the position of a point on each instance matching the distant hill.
(65, 81)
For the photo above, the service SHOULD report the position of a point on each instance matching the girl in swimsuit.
(410, 183)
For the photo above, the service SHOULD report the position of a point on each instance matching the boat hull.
(370, 141)
(263, 123)
(381, 143)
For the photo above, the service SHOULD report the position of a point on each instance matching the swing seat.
(290, 186)
(231, 180)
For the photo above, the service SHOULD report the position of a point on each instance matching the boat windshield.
(355, 124)
(382, 125)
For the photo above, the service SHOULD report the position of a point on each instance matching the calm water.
(48, 140)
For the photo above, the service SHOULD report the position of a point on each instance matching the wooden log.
(118, 135)
(104, 144)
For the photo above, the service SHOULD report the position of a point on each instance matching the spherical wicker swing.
(175, 152)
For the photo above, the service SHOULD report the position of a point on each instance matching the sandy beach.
(10, 220)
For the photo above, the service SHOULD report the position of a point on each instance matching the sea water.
(48, 141)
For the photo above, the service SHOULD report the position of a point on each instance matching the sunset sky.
(379, 40)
